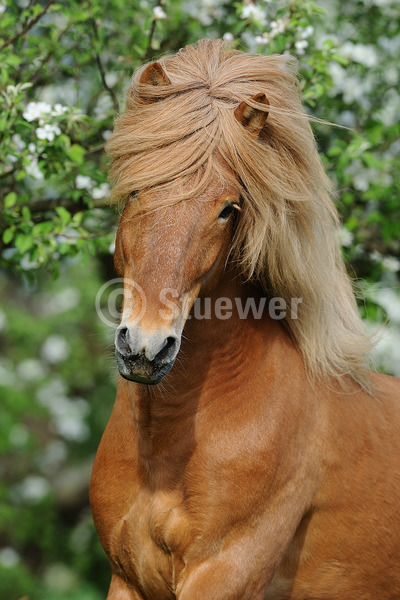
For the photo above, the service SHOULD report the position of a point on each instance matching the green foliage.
(56, 390)
(64, 68)
(63, 79)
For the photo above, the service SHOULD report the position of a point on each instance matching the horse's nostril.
(122, 343)
(170, 341)
(167, 350)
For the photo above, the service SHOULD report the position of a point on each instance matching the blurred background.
(64, 69)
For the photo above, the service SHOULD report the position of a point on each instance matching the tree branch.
(101, 69)
(41, 206)
(151, 35)
(27, 27)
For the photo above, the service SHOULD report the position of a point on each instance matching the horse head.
(169, 252)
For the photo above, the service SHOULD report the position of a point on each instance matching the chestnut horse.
(251, 454)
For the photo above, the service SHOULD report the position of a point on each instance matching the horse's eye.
(226, 212)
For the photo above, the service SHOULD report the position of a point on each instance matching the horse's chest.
(152, 540)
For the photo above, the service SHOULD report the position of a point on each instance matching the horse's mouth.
(141, 370)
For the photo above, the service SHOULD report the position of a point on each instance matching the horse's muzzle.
(144, 361)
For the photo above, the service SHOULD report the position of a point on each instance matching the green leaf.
(10, 200)
(42, 228)
(371, 160)
(64, 140)
(64, 248)
(13, 60)
(77, 218)
(24, 242)
(26, 213)
(342, 60)
(76, 153)
(64, 215)
(4, 76)
(8, 235)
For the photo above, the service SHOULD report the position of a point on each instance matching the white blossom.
(59, 302)
(67, 415)
(262, 39)
(55, 349)
(18, 142)
(31, 369)
(36, 110)
(9, 558)
(33, 489)
(391, 264)
(158, 13)
(277, 27)
(353, 88)
(253, 12)
(390, 110)
(111, 78)
(375, 256)
(361, 181)
(54, 455)
(364, 54)
(51, 390)
(59, 109)
(307, 32)
(32, 169)
(228, 37)
(48, 132)
(69, 423)
(2, 8)
(345, 237)
(347, 118)
(387, 350)
(27, 264)
(300, 46)
(83, 182)
(206, 12)
(101, 192)
(392, 151)
(389, 299)
(391, 75)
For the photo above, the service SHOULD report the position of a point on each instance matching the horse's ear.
(253, 119)
(154, 74)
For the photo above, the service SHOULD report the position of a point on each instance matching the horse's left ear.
(154, 74)
(253, 119)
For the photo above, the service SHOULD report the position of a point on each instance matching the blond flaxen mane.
(286, 238)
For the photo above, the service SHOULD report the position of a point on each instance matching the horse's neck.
(217, 356)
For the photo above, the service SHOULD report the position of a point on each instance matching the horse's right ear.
(253, 119)
(154, 74)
